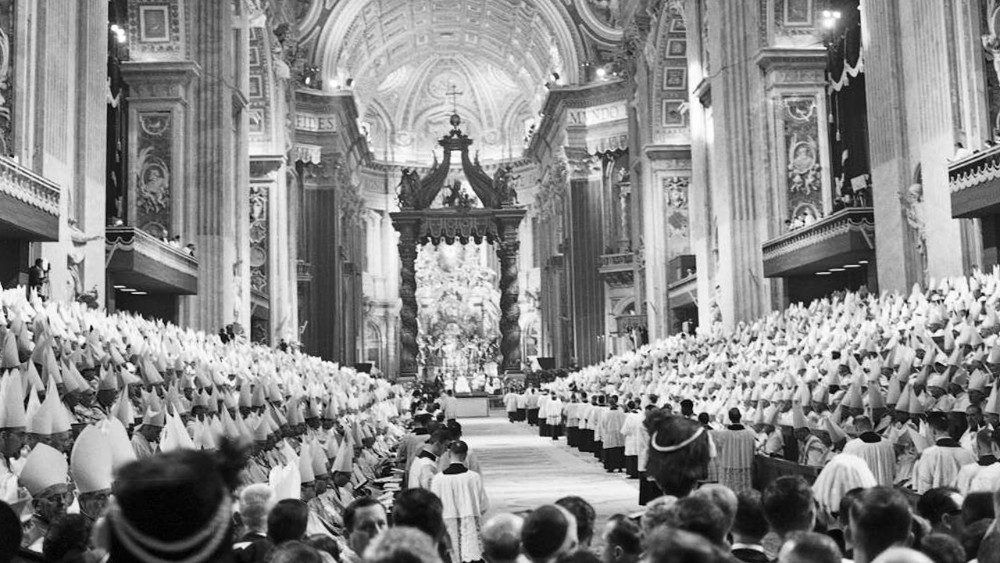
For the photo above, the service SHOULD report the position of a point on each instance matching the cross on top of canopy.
(403, 56)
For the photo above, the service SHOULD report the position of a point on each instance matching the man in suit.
(749, 528)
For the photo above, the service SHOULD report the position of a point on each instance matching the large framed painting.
(154, 26)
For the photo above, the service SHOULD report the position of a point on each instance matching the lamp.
(830, 18)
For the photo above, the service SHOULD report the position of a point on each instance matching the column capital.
(159, 80)
(795, 67)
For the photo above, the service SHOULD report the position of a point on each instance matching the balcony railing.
(139, 260)
(846, 237)
(29, 203)
(628, 323)
(618, 269)
(975, 184)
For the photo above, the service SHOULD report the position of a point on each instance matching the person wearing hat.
(938, 465)
(194, 487)
(148, 433)
(812, 451)
(12, 419)
(90, 465)
(46, 477)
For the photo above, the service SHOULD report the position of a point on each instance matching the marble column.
(736, 186)
(911, 132)
(212, 152)
(584, 256)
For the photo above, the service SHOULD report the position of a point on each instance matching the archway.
(495, 222)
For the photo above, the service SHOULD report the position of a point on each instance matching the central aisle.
(522, 470)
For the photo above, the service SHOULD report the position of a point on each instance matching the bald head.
(901, 555)
(502, 538)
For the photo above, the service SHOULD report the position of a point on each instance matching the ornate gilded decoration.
(259, 238)
(152, 188)
(497, 222)
(804, 181)
(7, 39)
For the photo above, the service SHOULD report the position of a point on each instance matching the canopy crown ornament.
(416, 193)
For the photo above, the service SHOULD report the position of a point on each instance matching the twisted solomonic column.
(408, 311)
(510, 310)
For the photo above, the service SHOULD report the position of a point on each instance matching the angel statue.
(503, 186)
(408, 188)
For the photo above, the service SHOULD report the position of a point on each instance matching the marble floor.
(522, 470)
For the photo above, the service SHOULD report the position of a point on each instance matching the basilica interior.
(629, 169)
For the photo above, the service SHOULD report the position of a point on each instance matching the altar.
(472, 406)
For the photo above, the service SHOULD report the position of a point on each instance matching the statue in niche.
(503, 185)
(624, 176)
(912, 199)
(409, 187)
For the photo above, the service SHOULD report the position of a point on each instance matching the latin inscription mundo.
(596, 115)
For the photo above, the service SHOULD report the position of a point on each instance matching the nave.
(522, 470)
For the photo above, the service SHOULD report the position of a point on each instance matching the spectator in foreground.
(669, 545)
(880, 519)
(364, 519)
(255, 502)
(722, 497)
(422, 509)
(809, 547)
(195, 487)
(659, 511)
(699, 515)
(548, 532)
(286, 521)
(679, 452)
(749, 528)
(789, 506)
(68, 539)
(622, 540)
(402, 543)
(295, 552)
(942, 548)
(942, 507)
(502, 538)
(585, 516)
(901, 555)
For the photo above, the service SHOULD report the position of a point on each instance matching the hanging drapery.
(848, 108)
